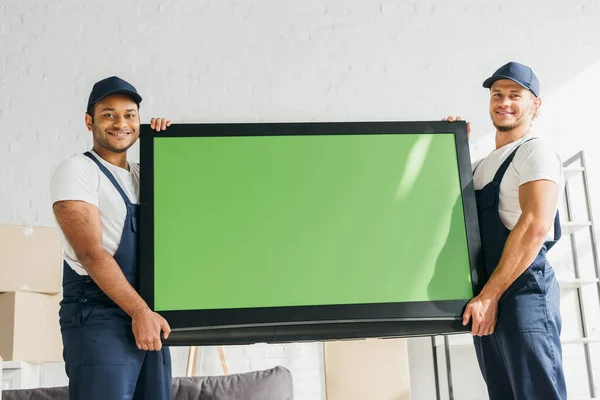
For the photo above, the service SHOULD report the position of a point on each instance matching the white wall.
(273, 60)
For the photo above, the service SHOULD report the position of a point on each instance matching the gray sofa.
(271, 384)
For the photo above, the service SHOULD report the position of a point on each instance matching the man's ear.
(537, 103)
(88, 121)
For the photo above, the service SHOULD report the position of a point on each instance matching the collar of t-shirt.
(110, 166)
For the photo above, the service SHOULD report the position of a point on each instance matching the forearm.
(521, 248)
(107, 274)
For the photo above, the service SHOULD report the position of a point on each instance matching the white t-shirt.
(79, 178)
(535, 160)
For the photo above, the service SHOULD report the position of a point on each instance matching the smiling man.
(111, 338)
(516, 320)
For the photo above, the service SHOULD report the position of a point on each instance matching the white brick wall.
(273, 60)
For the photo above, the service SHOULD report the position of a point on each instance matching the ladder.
(581, 280)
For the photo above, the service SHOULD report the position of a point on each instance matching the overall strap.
(109, 176)
(557, 226)
(502, 170)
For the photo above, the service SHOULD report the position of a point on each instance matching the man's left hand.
(483, 310)
(452, 119)
(160, 124)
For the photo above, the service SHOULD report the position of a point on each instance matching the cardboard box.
(29, 328)
(30, 259)
(367, 369)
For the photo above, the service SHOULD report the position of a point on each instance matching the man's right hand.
(146, 326)
(452, 119)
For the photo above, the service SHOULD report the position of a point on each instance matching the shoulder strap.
(110, 177)
(502, 170)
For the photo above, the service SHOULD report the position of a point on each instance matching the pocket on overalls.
(69, 315)
(86, 311)
(166, 355)
(104, 338)
(524, 307)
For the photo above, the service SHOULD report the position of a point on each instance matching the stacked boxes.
(30, 285)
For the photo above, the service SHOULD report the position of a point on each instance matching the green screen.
(265, 221)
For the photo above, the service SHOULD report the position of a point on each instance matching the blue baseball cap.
(110, 86)
(516, 72)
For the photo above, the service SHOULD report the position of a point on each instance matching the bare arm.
(538, 204)
(80, 222)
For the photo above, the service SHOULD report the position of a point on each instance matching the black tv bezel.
(308, 323)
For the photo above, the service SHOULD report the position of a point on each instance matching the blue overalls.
(522, 359)
(102, 359)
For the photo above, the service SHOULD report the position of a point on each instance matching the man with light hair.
(516, 321)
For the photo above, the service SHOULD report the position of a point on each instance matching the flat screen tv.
(282, 232)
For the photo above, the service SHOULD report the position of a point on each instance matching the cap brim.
(490, 81)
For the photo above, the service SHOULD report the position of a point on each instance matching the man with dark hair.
(111, 338)
(516, 321)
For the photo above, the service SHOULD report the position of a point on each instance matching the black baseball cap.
(110, 86)
(519, 73)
